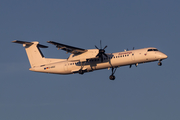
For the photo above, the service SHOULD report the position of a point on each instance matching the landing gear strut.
(160, 63)
(81, 71)
(112, 77)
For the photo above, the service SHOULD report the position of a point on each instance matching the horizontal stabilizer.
(29, 43)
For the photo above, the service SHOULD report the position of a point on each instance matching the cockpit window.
(152, 50)
(155, 49)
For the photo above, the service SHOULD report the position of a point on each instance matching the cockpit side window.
(155, 49)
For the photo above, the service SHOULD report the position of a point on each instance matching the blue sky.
(145, 92)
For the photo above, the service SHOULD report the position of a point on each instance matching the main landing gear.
(81, 71)
(112, 77)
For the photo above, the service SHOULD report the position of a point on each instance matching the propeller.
(101, 52)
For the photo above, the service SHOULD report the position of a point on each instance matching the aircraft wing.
(67, 48)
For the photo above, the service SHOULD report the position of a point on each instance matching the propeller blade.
(105, 47)
(98, 55)
(96, 47)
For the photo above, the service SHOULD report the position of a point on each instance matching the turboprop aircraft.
(87, 60)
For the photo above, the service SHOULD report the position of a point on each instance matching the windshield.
(152, 50)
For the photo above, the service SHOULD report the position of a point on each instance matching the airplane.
(87, 60)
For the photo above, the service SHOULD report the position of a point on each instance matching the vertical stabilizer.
(34, 54)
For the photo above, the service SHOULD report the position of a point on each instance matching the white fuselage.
(114, 60)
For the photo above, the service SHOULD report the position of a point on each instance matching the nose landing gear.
(159, 63)
(112, 77)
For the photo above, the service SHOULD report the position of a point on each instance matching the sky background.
(146, 92)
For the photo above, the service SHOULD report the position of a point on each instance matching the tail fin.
(35, 56)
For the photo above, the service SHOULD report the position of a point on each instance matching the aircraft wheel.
(81, 72)
(112, 77)
(159, 63)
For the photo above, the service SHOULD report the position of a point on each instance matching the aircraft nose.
(164, 56)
